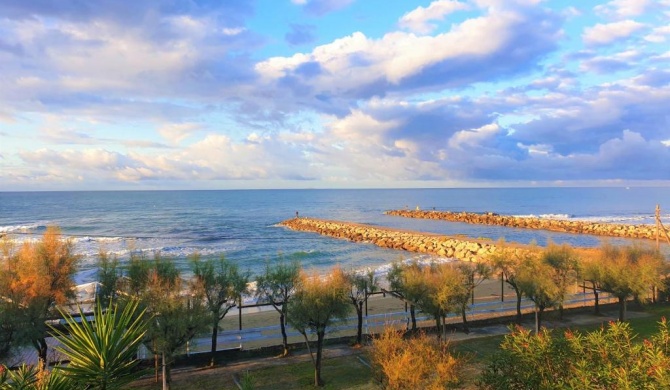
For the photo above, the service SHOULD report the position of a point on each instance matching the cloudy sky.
(217, 94)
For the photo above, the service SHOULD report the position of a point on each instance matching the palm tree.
(102, 352)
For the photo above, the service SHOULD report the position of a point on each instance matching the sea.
(242, 225)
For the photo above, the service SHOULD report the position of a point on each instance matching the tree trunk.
(539, 317)
(438, 326)
(560, 312)
(622, 309)
(215, 332)
(166, 379)
(518, 304)
(320, 334)
(42, 347)
(412, 313)
(359, 333)
(466, 329)
(596, 301)
(284, 338)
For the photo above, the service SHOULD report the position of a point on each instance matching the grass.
(347, 372)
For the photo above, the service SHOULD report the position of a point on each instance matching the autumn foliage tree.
(36, 277)
(417, 362)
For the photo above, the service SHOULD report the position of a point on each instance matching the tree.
(508, 261)
(608, 358)
(536, 282)
(221, 284)
(412, 363)
(472, 275)
(277, 286)
(593, 271)
(175, 316)
(108, 277)
(10, 311)
(362, 285)
(395, 279)
(630, 272)
(102, 352)
(317, 302)
(41, 276)
(435, 289)
(565, 266)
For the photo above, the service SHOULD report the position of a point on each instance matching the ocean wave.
(622, 219)
(22, 228)
(545, 216)
(97, 239)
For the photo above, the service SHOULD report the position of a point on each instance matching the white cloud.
(177, 132)
(418, 20)
(659, 34)
(623, 8)
(602, 34)
(354, 63)
(474, 137)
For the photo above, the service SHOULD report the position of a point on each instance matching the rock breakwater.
(467, 250)
(556, 225)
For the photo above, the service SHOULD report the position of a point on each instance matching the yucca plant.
(102, 352)
(33, 378)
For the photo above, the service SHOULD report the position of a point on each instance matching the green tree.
(565, 267)
(108, 274)
(472, 275)
(102, 352)
(508, 261)
(593, 272)
(435, 289)
(176, 317)
(137, 274)
(630, 272)
(221, 284)
(536, 282)
(276, 286)
(395, 279)
(362, 285)
(317, 302)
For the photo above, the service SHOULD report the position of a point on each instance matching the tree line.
(38, 276)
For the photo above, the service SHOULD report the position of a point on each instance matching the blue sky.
(200, 94)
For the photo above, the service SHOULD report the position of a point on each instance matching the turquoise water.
(242, 224)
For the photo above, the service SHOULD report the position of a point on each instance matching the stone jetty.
(445, 246)
(556, 225)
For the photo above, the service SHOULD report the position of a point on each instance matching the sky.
(230, 94)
